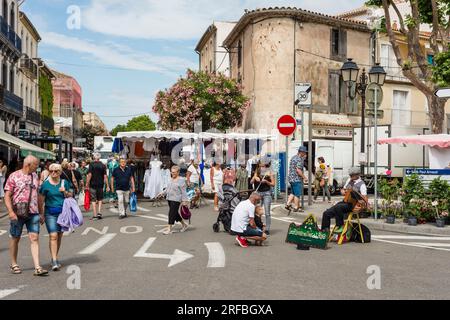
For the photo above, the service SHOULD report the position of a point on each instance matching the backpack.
(356, 236)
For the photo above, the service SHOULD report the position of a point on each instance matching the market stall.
(438, 147)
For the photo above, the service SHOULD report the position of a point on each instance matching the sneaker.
(94, 218)
(55, 266)
(242, 242)
(99, 217)
(167, 232)
(184, 228)
(122, 217)
(59, 264)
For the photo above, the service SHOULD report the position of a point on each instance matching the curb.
(425, 230)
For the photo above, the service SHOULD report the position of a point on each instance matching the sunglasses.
(54, 171)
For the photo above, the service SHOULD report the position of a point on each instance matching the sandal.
(15, 269)
(288, 207)
(40, 272)
(299, 210)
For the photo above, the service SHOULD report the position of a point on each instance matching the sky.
(122, 52)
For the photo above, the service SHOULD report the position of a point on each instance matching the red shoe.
(242, 242)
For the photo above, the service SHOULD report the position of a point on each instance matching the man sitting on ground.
(243, 222)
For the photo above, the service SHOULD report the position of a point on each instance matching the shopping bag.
(87, 200)
(81, 197)
(133, 203)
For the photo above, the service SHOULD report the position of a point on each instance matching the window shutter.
(343, 43)
(343, 96)
(333, 91)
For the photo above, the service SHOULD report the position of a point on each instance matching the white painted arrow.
(443, 93)
(177, 257)
(8, 292)
(2, 232)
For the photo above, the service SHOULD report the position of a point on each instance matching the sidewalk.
(317, 210)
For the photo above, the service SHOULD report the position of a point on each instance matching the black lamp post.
(350, 72)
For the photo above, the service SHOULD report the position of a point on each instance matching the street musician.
(355, 193)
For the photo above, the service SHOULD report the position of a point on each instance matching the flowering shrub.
(215, 100)
(439, 194)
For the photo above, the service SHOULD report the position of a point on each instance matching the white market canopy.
(236, 136)
(141, 135)
(433, 140)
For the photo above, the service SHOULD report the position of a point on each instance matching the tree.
(424, 76)
(215, 100)
(141, 123)
(89, 132)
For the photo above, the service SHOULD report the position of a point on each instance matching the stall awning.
(236, 136)
(139, 135)
(433, 140)
(27, 148)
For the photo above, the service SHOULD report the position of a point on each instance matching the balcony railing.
(10, 34)
(33, 115)
(29, 66)
(48, 123)
(11, 103)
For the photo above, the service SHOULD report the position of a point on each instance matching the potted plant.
(439, 195)
(389, 190)
(412, 194)
(414, 211)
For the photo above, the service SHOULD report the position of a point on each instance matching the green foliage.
(390, 191)
(441, 69)
(412, 195)
(216, 100)
(141, 123)
(439, 195)
(46, 95)
(88, 133)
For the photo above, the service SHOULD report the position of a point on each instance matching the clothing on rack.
(153, 186)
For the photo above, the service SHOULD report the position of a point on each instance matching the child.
(259, 211)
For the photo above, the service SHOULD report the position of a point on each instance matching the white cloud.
(118, 55)
(183, 19)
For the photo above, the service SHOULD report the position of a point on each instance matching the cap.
(355, 171)
(303, 149)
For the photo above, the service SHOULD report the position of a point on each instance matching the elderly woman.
(51, 200)
(175, 195)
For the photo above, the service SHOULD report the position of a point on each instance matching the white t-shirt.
(195, 174)
(242, 215)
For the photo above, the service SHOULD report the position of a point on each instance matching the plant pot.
(390, 219)
(440, 223)
(412, 221)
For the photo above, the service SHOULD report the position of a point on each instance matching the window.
(5, 10)
(339, 100)
(12, 21)
(401, 112)
(11, 79)
(338, 43)
(5, 76)
(239, 54)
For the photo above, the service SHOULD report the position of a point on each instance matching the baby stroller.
(229, 198)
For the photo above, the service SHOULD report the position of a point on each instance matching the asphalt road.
(129, 259)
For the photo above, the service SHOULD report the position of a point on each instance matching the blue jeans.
(297, 188)
(267, 202)
(52, 224)
(32, 224)
(250, 232)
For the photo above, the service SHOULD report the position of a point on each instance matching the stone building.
(92, 119)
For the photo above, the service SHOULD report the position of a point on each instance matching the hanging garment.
(149, 144)
(155, 181)
(139, 149)
(147, 183)
(241, 179)
(165, 177)
(117, 146)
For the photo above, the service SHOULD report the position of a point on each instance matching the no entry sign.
(287, 125)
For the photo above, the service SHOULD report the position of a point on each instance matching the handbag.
(22, 209)
(185, 213)
(87, 200)
(133, 203)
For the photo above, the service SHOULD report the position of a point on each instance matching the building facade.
(28, 77)
(11, 104)
(93, 120)
(67, 107)
(213, 57)
(274, 49)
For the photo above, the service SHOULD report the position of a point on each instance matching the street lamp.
(350, 73)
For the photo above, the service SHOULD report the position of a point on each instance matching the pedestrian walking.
(176, 195)
(216, 177)
(96, 180)
(264, 181)
(122, 181)
(78, 177)
(321, 179)
(68, 174)
(83, 170)
(45, 172)
(193, 184)
(3, 171)
(229, 175)
(296, 179)
(52, 194)
(21, 201)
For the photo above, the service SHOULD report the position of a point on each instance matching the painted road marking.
(216, 255)
(162, 216)
(8, 292)
(2, 232)
(103, 232)
(177, 257)
(153, 218)
(389, 237)
(411, 245)
(432, 244)
(143, 209)
(116, 210)
(98, 243)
